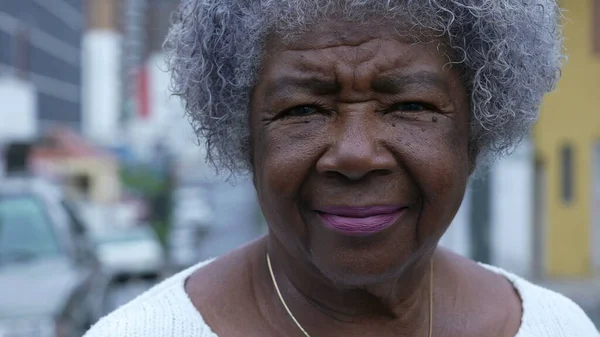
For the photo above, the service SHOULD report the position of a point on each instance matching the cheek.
(286, 154)
(436, 157)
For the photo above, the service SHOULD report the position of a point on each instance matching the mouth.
(360, 221)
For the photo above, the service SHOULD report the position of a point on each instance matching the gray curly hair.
(509, 52)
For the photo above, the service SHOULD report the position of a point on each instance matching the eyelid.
(424, 106)
(320, 107)
(287, 112)
(434, 99)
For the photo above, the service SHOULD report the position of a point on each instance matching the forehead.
(347, 52)
(367, 40)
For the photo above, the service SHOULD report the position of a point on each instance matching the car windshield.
(26, 231)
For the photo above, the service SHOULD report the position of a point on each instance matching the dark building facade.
(40, 40)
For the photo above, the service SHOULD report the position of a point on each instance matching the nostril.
(333, 174)
(355, 175)
(355, 167)
(342, 176)
(380, 172)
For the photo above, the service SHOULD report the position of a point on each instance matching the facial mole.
(394, 125)
(434, 119)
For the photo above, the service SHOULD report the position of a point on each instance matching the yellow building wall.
(105, 178)
(571, 115)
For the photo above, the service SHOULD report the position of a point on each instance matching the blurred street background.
(104, 190)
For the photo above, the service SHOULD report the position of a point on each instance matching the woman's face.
(360, 148)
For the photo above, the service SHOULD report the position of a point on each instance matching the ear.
(473, 154)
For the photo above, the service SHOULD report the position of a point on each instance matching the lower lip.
(360, 226)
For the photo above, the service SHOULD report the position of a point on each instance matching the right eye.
(301, 110)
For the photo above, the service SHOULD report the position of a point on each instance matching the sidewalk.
(585, 293)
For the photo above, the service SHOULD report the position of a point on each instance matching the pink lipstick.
(360, 221)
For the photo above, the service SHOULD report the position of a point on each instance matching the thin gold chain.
(282, 300)
(431, 298)
(306, 333)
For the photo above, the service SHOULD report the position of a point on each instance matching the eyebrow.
(392, 84)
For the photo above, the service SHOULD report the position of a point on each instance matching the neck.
(403, 299)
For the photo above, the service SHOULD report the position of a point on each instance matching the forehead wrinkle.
(345, 70)
(286, 87)
(395, 83)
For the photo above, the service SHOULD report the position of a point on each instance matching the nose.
(356, 151)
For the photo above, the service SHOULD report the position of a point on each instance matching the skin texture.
(349, 115)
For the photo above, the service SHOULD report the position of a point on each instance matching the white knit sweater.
(167, 311)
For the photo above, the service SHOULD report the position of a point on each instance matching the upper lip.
(360, 211)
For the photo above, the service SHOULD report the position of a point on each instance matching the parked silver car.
(127, 250)
(51, 284)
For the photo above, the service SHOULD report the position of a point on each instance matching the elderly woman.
(360, 122)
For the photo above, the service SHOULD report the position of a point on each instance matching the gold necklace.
(306, 333)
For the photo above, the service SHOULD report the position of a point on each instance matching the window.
(73, 214)
(596, 26)
(567, 177)
(596, 205)
(26, 231)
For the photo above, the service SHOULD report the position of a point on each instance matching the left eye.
(409, 107)
(301, 110)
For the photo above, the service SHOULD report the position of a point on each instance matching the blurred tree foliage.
(155, 187)
(142, 180)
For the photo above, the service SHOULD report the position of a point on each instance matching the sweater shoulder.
(163, 311)
(548, 313)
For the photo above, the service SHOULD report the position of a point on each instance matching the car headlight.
(29, 327)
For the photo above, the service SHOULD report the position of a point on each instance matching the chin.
(359, 261)
(359, 269)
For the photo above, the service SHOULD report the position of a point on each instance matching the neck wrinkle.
(404, 300)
